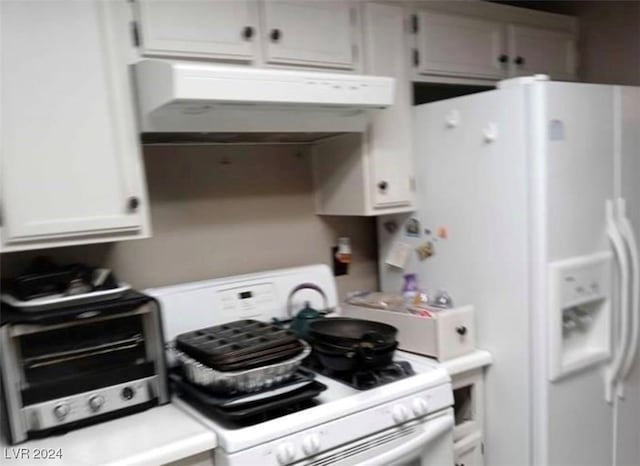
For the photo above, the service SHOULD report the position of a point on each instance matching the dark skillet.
(343, 331)
(354, 359)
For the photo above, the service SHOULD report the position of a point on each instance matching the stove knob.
(96, 402)
(420, 407)
(60, 411)
(285, 453)
(400, 414)
(311, 444)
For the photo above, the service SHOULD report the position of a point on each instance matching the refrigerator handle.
(612, 373)
(629, 237)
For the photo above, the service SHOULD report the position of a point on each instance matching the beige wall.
(609, 48)
(219, 211)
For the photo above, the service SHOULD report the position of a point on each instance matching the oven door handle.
(431, 431)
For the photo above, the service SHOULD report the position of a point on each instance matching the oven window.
(82, 348)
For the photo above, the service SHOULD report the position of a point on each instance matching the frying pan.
(343, 331)
(355, 359)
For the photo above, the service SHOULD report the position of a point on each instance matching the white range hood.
(194, 101)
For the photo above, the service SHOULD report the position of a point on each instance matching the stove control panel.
(329, 435)
(242, 302)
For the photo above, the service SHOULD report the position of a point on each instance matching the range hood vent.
(204, 103)
(233, 138)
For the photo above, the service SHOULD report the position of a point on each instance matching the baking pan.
(254, 410)
(298, 380)
(249, 380)
(233, 342)
(272, 357)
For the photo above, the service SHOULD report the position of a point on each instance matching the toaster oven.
(72, 367)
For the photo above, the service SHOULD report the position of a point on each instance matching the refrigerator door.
(627, 439)
(472, 169)
(579, 159)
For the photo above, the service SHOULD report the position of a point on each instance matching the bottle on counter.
(410, 288)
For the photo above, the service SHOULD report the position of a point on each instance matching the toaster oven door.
(82, 355)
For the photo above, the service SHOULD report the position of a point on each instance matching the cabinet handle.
(519, 60)
(247, 32)
(461, 330)
(383, 185)
(275, 35)
(503, 58)
(133, 203)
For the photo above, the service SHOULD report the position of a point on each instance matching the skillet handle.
(365, 354)
(373, 337)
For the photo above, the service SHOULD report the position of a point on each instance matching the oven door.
(425, 443)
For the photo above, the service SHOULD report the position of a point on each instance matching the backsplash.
(226, 210)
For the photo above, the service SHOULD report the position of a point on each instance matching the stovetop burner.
(367, 378)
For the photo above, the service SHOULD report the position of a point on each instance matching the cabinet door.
(468, 451)
(389, 138)
(70, 158)
(459, 46)
(313, 33)
(533, 50)
(224, 29)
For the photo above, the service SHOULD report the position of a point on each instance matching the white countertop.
(151, 438)
(467, 362)
(154, 437)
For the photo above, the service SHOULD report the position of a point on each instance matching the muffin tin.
(239, 345)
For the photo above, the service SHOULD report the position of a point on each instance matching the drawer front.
(468, 451)
(456, 333)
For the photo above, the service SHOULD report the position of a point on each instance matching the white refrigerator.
(528, 197)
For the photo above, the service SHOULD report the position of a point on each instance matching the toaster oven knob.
(420, 407)
(400, 414)
(311, 444)
(127, 393)
(60, 411)
(96, 402)
(285, 453)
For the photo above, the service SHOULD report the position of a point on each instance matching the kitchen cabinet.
(220, 29)
(312, 33)
(534, 50)
(71, 164)
(459, 46)
(481, 42)
(468, 451)
(372, 173)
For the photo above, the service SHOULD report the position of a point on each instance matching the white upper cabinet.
(71, 166)
(220, 29)
(295, 33)
(534, 50)
(482, 42)
(316, 33)
(372, 174)
(459, 46)
(390, 136)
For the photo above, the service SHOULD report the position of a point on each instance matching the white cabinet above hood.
(183, 98)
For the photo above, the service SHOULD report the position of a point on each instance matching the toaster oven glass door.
(81, 356)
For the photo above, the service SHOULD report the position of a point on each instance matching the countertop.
(160, 435)
(467, 362)
(157, 436)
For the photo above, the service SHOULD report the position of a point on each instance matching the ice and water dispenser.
(580, 313)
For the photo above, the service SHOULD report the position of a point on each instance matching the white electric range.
(407, 421)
